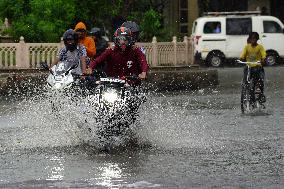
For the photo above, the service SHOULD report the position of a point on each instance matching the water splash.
(54, 119)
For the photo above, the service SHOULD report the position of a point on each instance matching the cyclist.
(124, 59)
(254, 52)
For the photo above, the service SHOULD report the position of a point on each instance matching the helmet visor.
(121, 38)
(123, 41)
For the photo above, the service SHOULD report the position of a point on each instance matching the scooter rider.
(123, 59)
(254, 52)
(72, 52)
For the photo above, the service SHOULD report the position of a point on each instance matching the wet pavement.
(193, 139)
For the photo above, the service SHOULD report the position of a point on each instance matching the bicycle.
(251, 97)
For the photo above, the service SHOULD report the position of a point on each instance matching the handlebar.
(132, 78)
(249, 63)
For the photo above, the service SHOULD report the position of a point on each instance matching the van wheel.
(271, 58)
(215, 59)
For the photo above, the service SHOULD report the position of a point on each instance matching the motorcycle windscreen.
(63, 66)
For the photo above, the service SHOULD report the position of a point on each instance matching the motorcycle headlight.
(110, 96)
(57, 85)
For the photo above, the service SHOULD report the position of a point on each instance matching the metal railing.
(28, 55)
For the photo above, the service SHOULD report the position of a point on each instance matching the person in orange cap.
(88, 42)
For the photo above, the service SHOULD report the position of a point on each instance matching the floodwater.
(184, 140)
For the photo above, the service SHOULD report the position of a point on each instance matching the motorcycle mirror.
(71, 68)
(74, 66)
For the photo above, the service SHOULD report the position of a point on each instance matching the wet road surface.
(184, 140)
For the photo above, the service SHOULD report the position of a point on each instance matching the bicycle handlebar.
(249, 63)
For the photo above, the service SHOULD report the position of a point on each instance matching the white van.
(222, 37)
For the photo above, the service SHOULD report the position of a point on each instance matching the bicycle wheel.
(245, 98)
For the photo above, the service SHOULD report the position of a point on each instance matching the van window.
(212, 27)
(271, 27)
(238, 26)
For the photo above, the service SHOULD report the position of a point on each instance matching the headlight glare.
(110, 96)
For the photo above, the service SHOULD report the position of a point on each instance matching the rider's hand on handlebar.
(89, 71)
(250, 64)
(142, 76)
(263, 62)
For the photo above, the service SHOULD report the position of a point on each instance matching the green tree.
(46, 20)
(14, 8)
(100, 13)
(37, 20)
(150, 25)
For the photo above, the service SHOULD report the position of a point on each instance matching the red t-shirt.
(132, 61)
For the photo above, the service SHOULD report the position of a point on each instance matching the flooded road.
(184, 140)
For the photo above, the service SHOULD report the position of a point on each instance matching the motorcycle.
(108, 105)
(250, 87)
(61, 76)
(116, 102)
(63, 85)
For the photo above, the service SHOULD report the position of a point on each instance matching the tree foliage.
(38, 21)
(150, 24)
(46, 20)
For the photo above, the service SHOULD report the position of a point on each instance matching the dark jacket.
(118, 64)
(101, 46)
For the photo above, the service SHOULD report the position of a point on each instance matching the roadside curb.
(159, 78)
(181, 78)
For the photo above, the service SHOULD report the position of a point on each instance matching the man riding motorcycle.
(72, 52)
(124, 59)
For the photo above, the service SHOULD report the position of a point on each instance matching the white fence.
(28, 55)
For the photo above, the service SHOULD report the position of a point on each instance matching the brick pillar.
(175, 49)
(154, 52)
(185, 40)
(22, 55)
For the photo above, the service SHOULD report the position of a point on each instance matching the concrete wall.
(160, 79)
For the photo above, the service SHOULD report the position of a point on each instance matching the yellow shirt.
(253, 53)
